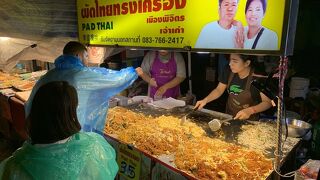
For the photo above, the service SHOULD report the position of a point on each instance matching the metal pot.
(297, 128)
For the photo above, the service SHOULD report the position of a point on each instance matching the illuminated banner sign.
(200, 24)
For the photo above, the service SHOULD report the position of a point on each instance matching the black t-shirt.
(237, 85)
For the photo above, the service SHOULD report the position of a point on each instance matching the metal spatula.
(184, 117)
(215, 124)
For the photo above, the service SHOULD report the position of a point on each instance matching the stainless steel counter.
(229, 132)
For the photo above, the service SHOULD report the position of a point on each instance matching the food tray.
(182, 147)
(229, 132)
(24, 85)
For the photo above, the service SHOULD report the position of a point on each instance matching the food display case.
(12, 116)
(151, 143)
(14, 91)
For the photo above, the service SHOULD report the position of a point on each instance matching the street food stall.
(149, 144)
(152, 143)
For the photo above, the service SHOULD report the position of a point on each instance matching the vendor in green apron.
(244, 101)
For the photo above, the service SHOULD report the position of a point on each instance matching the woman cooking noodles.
(244, 101)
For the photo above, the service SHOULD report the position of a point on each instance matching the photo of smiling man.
(221, 34)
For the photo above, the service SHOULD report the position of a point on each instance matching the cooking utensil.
(297, 128)
(184, 117)
(215, 124)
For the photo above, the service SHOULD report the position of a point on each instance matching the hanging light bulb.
(4, 38)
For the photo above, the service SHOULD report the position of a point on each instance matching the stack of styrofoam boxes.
(299, 87)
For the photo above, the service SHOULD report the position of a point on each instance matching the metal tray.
(229, 131)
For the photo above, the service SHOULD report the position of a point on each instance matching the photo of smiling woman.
(257, 36)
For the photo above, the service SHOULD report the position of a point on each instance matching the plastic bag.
(94, 87)
(84, 156)
(309, 170)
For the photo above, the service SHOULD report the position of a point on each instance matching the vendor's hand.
(244, 114)
(153, 82)
(200, 104)
(139, 71)
(239, 40)
(239, 37)
(161, 90)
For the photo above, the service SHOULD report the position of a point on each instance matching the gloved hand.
(161, 90)
(153, 82)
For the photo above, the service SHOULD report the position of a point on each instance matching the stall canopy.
(47, 23)
(15, 49)
(38, 19)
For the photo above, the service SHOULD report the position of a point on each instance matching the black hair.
(250, 58)
(263, 2)
(73, 47)
(53, 115)
(245, 58)
(220, 1)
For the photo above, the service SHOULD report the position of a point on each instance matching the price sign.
(129, 161)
